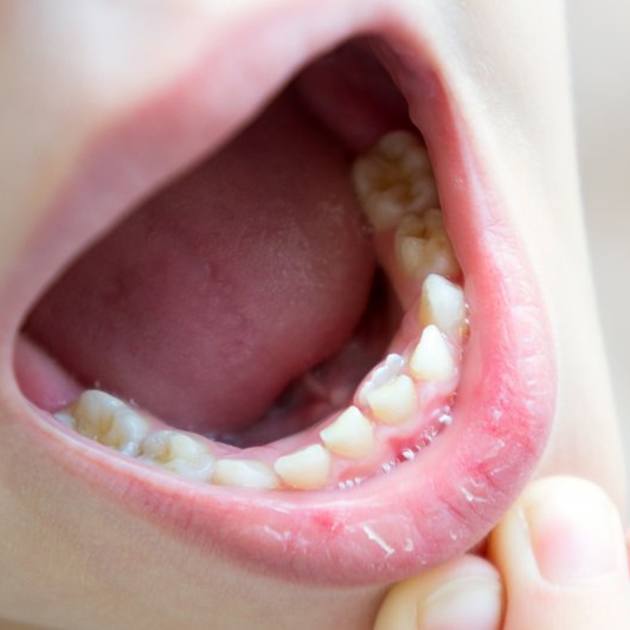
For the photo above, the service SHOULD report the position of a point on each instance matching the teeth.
(306, 469)
(393, 178)
(110, 421)
(179, 453)
(385, 372)
(244, 473)
(66, 418)
(350, 435)
(423, 247)
(395, 401)
(442, 303)
(432, 359)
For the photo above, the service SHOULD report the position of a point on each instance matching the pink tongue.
(216, 294)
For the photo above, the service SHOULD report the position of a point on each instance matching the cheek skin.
(494, 85)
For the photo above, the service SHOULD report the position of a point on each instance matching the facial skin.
(77, 560)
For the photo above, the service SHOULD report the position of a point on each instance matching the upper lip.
(427, 510)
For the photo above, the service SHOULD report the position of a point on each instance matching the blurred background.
(600, 49)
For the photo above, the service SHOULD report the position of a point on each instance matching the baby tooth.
(395, 401)
(66, 418)
(179, 453)
(306, 469)
(442, 303)
(432, 359)
(423, 247)
(244, 473)
(350, 435)
(383, 373)
(110, 421)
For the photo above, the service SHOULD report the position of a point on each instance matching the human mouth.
(406, 468)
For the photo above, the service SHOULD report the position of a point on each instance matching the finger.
(464, 593)
(562, 554)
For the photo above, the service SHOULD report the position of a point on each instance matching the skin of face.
(76, 560)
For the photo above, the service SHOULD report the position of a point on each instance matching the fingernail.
(574, 531)
(473, 603)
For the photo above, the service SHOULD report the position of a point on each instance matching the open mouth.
(317, 347)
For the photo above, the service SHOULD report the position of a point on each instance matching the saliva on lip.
(396, 189)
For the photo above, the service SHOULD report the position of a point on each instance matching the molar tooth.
(110, 421)
(306, 469)
(432, 359)
(244, 473)
(392, 178)
(394, 402)
(423, 246)
(350, 435)
(179, 453)
(442, 303)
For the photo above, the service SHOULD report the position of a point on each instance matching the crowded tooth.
(393, 178)
(392, 366)
(432, 359)
(394, 402)
(110, 421)
(306, 469)
(442, 303)
(423, 247)
(244, 473)
(179, 453)
(350, 435)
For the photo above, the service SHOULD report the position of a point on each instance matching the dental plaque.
(398, 408)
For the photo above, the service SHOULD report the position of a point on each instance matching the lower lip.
(425, 511)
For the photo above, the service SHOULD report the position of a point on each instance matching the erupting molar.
(179, 453)
(306, 469)
(394, 402)
(442, 303)
(423, 247)
(109, 421)
(244, 473)
(350, 435)
(432, 359)
(394, 178)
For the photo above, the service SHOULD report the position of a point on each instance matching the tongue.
(219, 292)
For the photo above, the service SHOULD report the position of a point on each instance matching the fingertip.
(465, 592)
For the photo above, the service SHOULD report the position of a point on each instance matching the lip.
(427, 510)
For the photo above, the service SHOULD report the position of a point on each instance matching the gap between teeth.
(395, 186)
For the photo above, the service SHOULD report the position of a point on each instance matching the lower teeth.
(397, 191)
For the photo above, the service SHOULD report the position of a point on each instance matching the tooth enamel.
(385, 372)
(392, 178)
(306, 469)
(179, 453)
(394, 402)
(66, 418)
(244, 473)
(442, 303)
(432, 359)
(423, 247)
(350, 435)
(110, 421)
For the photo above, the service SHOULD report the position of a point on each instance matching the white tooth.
(394, 402)
(383, 373)
(442, 303)
(66, 418)
(432, 359)
(306, 469)
(394, 177)
(350, 435)
(244, 473)
(110, 421)
(423, 247)
(179, 453)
